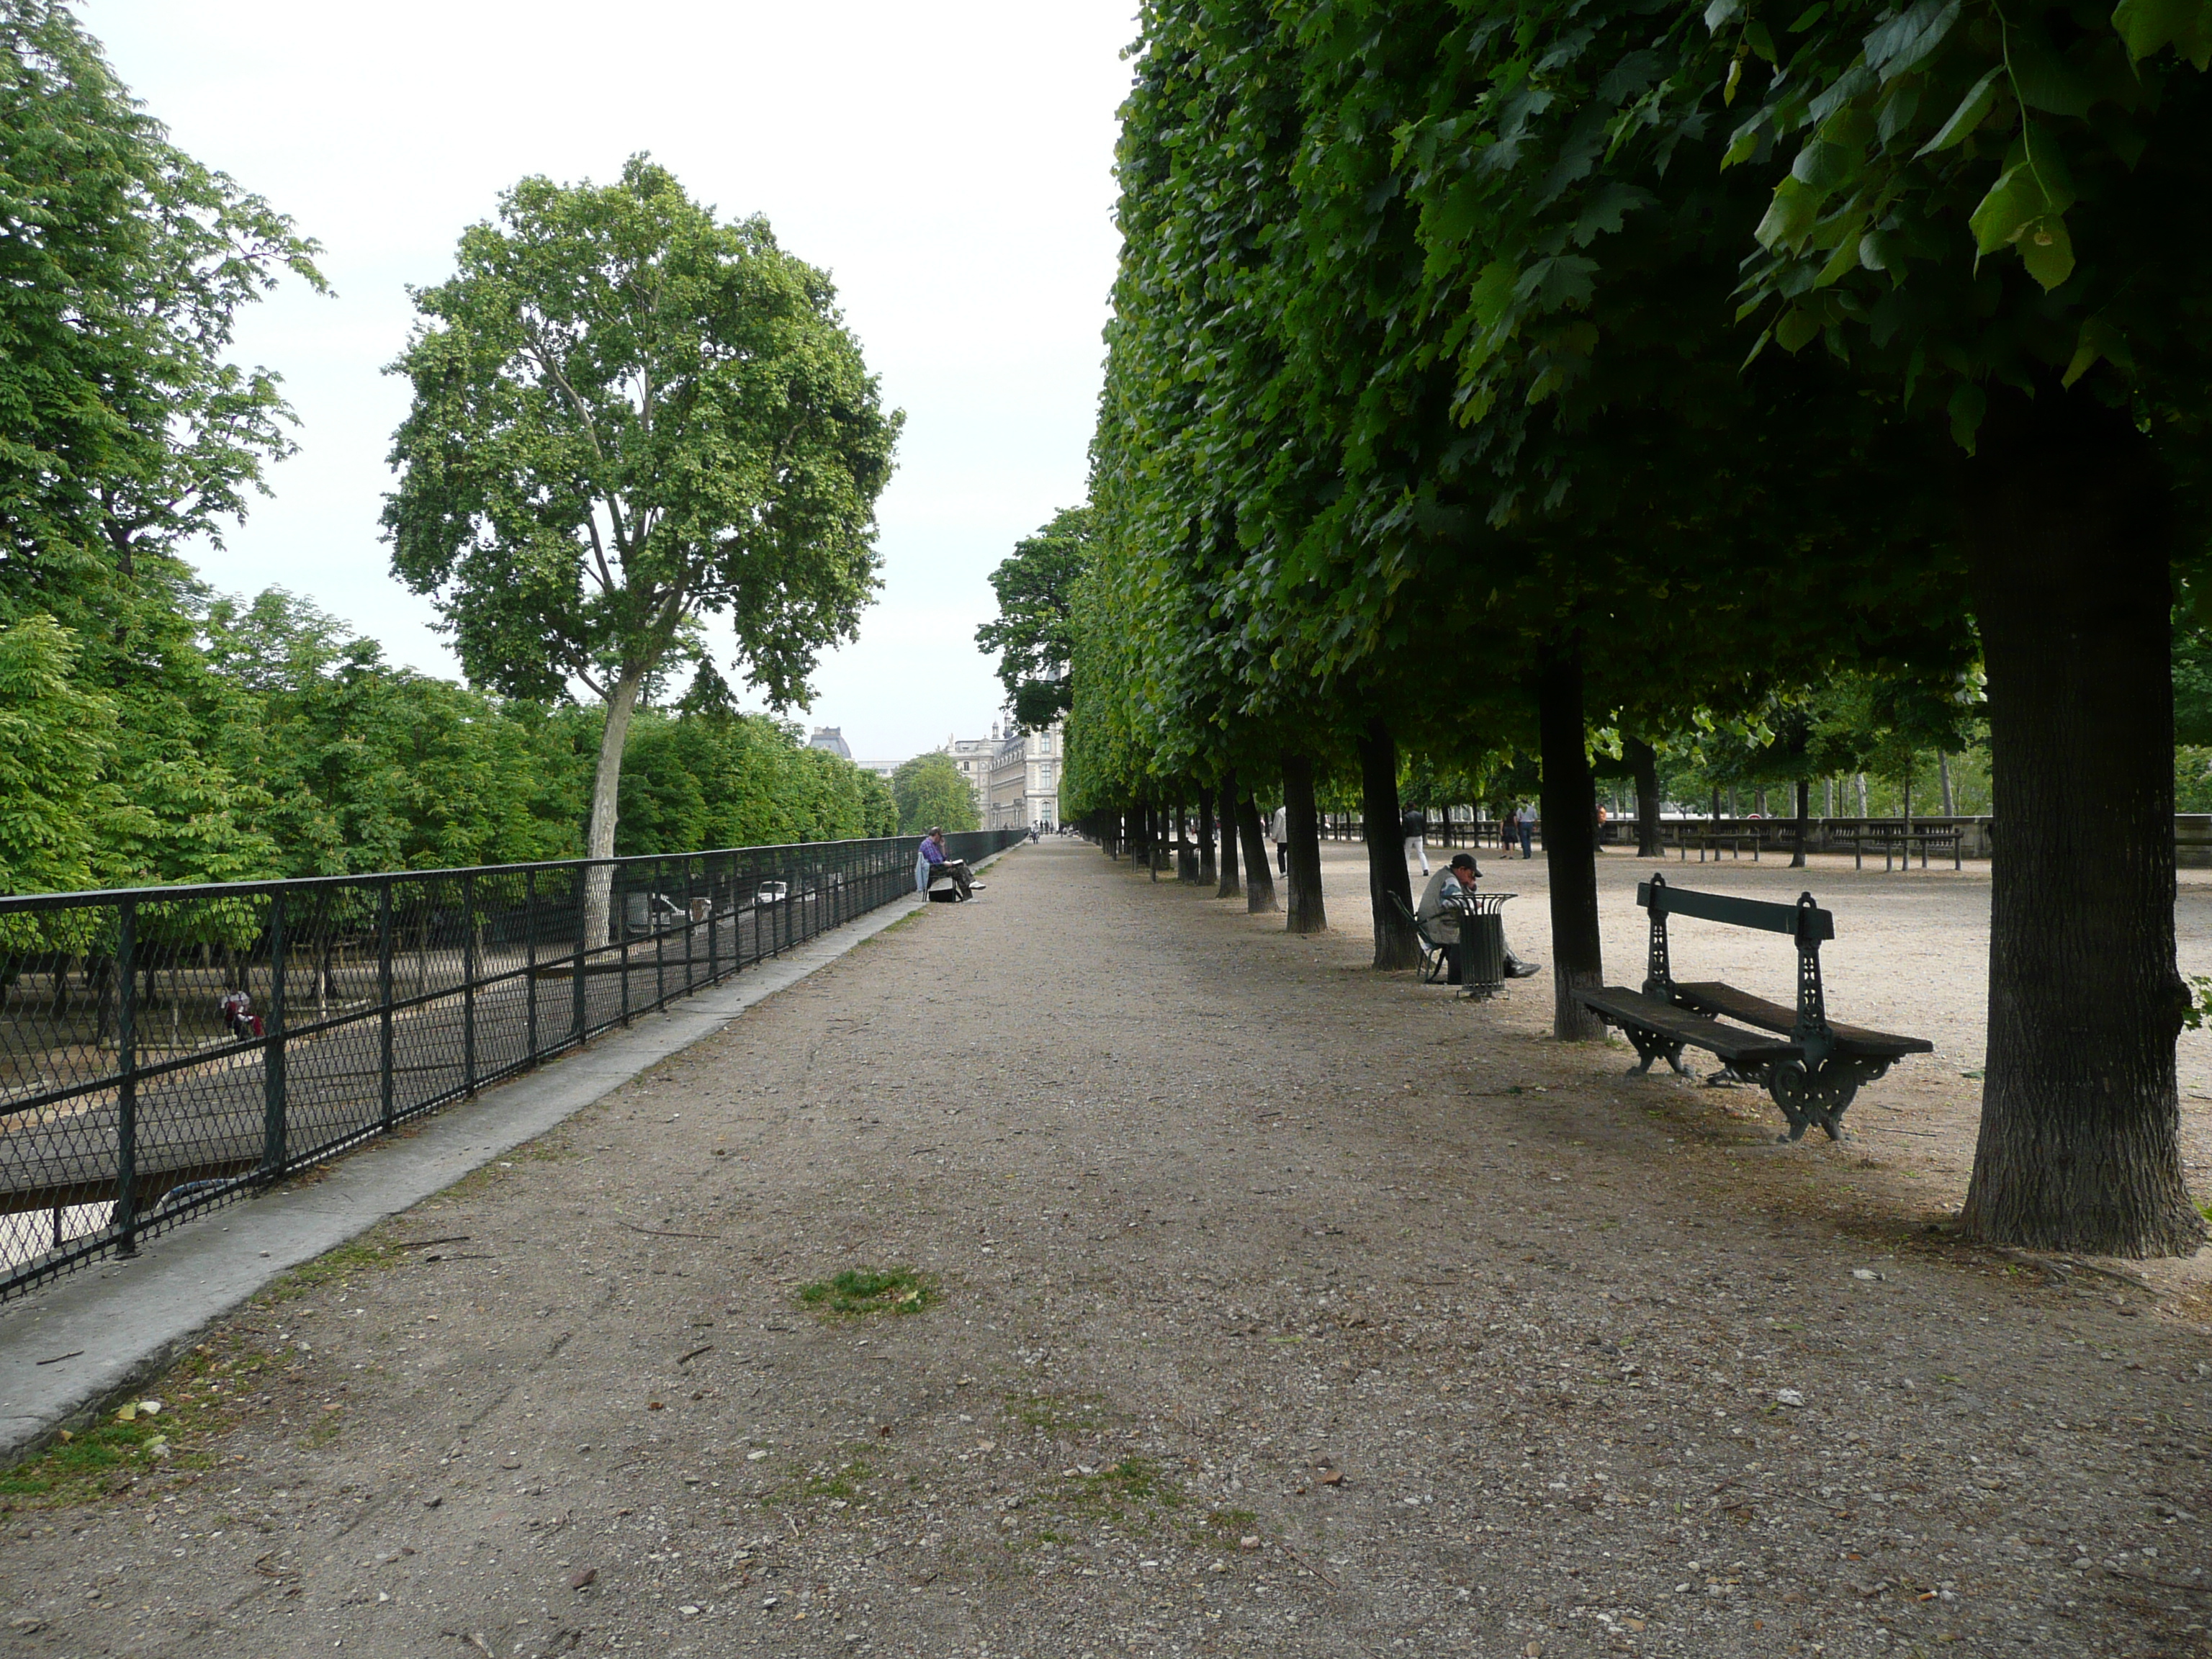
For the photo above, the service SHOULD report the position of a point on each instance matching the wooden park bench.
(1897, 842)
(1434, 963)
(1813, 1067)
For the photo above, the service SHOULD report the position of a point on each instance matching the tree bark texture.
(1804, 822)
(606, 797)
(1259, 868)
(1569, 805)
(1396, 944)
(1224, 808)
(1644, 762)
(1306, 913)
(2069, 533)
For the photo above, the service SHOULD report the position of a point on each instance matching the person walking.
(1527, 829)
(1414, 825)
(1509, 830)
(1279, 829)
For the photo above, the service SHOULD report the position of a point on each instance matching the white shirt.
(1279, 829)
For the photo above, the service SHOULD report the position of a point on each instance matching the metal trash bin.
(1482, 945)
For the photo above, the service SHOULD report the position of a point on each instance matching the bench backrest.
(1803, 921)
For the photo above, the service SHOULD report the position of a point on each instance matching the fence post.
(576, 979)
(714, 926)
(272, 1053)
(468, 985)
(125, 1220)
(384, 996)
(530, 964)
(620, 910)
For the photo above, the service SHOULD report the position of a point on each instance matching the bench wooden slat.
(1711, 996)
(1730, 1042)
(1763, 914)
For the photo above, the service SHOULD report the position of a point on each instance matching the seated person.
(1450, 890)
(933, 863)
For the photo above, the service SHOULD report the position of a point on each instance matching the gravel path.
(1286, 1309)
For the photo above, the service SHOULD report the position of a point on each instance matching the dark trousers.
(958, 869)
(1282, 858)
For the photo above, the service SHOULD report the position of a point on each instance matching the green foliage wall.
(280, 745)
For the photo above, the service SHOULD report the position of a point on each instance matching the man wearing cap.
(931, 863)
(1452, 888)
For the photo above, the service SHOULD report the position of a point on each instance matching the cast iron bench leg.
(1653, 1045)
(1821, 1095)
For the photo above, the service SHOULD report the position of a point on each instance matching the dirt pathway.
(1286, 1309)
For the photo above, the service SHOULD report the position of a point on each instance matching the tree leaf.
(2045, 78)
(1968, 405)
(1790, 216)
(1797, 328)
(2100, 340)
(2146, 26)
(1974, 109)
(2014, 202)
(2047, 251)
(1721, 13)
(1906, 40)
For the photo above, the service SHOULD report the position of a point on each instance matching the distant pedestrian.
(1528, 830)
(236, 1010)
(1509, 831)
(1279, 830)
(1414, 824)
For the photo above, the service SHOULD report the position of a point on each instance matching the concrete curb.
(67, 1349)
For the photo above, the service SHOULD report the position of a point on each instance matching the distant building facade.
(1025, 787)
(831, 738)
(1014, 775)
(973, 757)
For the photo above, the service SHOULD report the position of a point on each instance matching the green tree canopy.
(629, 417)
(931, 794)
(1033, 633)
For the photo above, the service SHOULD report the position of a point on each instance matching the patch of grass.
(1134, 1495)
(1072, 1413)
(842, 1481)
(1225, 1523)
(861, 1291)
(200, 1398)
(346, 1262)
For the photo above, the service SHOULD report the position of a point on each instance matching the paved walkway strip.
(1229, 1298)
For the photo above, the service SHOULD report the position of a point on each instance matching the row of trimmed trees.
(1487, 376)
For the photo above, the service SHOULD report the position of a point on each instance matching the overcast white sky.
(951, 166)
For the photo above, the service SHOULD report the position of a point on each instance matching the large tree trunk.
(1644, 762)
(2069, 531)
(1259, 868)
(1396, 944)
(1804, 822)
(1223, 807)
(1569, 805)
(1204, 811)
(606, 795)
(1306, 913)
